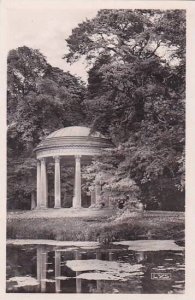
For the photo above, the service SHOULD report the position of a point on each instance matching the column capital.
(56, 158)
(43, 159)
(92, 188)
(77, 191)
(43, 183)
(78, 157)
(38, 183)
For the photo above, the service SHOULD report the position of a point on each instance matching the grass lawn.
(95, 226)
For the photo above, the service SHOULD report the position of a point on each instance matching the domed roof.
(74, 131)
(74, 140)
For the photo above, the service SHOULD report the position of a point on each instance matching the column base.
(75, 203)
(76, 207)
(41, 208)
(57, 207)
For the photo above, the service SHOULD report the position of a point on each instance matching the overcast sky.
(47, 30)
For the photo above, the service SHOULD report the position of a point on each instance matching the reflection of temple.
(42, 263)
(41, 267)
(50, 270)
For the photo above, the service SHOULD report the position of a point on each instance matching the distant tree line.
(135, 95)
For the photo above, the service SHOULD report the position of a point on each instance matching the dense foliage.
(135, 95)
(136, 92)
(40, 99)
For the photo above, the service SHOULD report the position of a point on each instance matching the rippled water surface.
(124, 267)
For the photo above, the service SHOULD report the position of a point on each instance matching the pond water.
(144, 266)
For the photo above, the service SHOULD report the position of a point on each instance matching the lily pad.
(151, 245)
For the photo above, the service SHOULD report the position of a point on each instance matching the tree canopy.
(136, 92)
(40, 99)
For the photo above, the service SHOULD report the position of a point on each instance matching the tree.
(40, 99)
(110, 173)
(136, 91)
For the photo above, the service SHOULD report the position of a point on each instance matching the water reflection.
(54, 269)
(41, 267)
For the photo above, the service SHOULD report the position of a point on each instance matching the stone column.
(38, 183)
(43, 184)
(47, 195)
(98, 255)
(98, 282)
(93, 198)
(44, 271)
(77, 189)
(99, 288)
(97, 193)
(57, 184)
(110, 256)
(41, 267)
(39, 262)
(57, 270)
(78, 256)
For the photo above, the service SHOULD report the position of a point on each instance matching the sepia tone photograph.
(96, 150)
